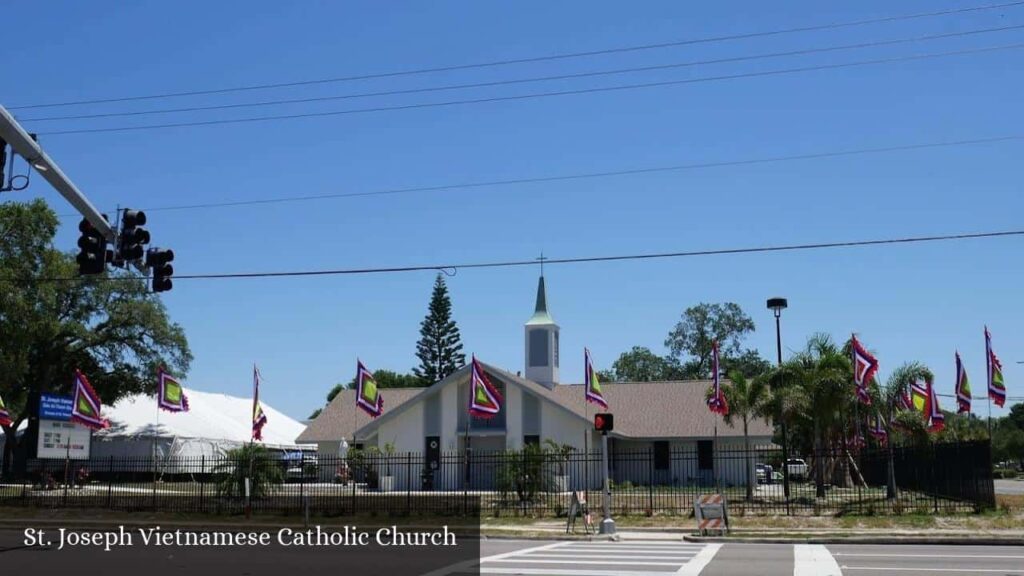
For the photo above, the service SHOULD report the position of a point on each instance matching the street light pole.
(777, 305)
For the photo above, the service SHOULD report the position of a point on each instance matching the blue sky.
(916, 302)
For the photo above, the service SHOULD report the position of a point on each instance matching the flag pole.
(156, 430)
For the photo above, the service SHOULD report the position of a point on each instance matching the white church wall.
(406, 433)
(562, 427)
(514, 420)
(450, 417)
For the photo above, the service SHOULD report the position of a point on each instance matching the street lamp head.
(777, 305)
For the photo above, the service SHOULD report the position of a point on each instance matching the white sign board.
(54, 437)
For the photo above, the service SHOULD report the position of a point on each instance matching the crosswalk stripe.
(814, 560)
(700, 561)
(531, 560)
(679, 557)
(559, 572)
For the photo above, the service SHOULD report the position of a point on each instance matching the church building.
(660, 418)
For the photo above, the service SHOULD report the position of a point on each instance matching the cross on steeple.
(541, 259)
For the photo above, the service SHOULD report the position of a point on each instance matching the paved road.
(1009, 486)
(634, 558)
(532, 558)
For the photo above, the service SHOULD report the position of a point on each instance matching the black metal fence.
(942, 478)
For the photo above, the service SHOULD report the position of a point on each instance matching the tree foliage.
(440, 346)
(748, 399)
(689, 343)
(108, 326)
(640, 364)
(252, 461)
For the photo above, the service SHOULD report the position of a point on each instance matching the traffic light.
(604, 422)
(92, 256)
(131, 238)
(159, 261)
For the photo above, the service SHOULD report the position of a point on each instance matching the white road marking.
(895, 569)
(557, 572)
(468, 564)
(588, 559)
(867, 555)
(814, 560)
(531, 560)
(677, 557)
(702, 559)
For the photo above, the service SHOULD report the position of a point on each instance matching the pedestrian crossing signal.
(604, 422)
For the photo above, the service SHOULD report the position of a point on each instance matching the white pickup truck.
(796, 468)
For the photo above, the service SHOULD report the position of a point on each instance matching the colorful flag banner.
(864, 368)
(86, 406)
(170, 395)
(855, 442)
(592, 383)
(5, 415)
(904, 401)
(484, 398)
(936, 420)
(716, 401)
(368, 396)
(876, 427)
(259, 417)
(963, 388)
(996, 387)
(919, 398)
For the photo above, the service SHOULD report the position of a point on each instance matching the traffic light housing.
(604, 422)
(132, 237)
(92, 255)
(159, 261)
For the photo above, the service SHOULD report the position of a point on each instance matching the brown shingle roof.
(659, 409)
(642, 409)
(337, 419)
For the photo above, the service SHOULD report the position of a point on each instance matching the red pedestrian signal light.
(604, 422)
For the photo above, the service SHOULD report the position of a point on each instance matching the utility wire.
(577, 260)
(765, 73)
(579, 75)
(588, 175)
(549, 57)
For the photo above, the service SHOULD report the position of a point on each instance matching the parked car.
(304, 469)
(797, 469)
(765, 473)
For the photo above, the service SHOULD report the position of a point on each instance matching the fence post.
(650, 481)
(154, 482)
(302, 482)
(110, 482)
(408, 483)
(202, 483)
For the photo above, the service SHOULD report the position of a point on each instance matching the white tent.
(214, 424)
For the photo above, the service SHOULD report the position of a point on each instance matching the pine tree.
(440, 346)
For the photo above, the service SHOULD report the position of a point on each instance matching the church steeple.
(542, 341)
(540, 310)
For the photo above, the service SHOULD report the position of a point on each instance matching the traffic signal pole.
(607, 524)
(23, 144)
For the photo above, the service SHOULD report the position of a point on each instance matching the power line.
(549, 57)
(576, 260)
(590, 175)
(776, 72)
(579, 75)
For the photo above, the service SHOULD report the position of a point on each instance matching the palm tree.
(886, 398)
(818, 386)
(748, 399)
(249, 461)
